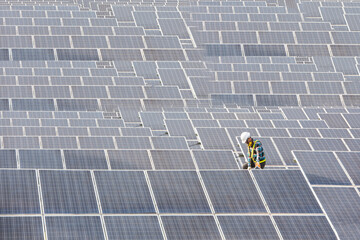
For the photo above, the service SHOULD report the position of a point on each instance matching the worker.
(256, 155)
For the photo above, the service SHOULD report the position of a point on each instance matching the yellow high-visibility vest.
(252, 153)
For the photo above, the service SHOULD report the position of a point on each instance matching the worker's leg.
(252, 164)
(262, 165)
(245, 166)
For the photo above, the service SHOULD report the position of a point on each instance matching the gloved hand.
(257, 165)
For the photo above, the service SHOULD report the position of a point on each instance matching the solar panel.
(304, 132)
(353, 144)
(330, 198)
(232, 192)
(59, 142)
(286, 192)
(327, 144)
(20, 189)
(170, 159)
(129, 159)
(70, 227)
(8, 159)
(352, 120)
(68, 192)
(124, 192)
(21, 227)
(21, 142)
(85, 159)
(169, 143)
(294, 113)
(133, 227)
(153, 86)
(210, 138)
(286, 145)
(304, 227)
(190, 227)
(153, 120)
(96, 142)
(334, 133)
(224, 123)
(180, 128)
(276, 100)
(330, 172)
(207, 159)
(241, 227)
(50, 159)
(33, 104)
(133, 143)
(270, 132)
(178, 192)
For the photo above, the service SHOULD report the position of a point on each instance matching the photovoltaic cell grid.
(329, 198)
(154, 74)
(286, 192)
(330, 171)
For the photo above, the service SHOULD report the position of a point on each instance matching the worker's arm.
(249, 160)
(258, 151)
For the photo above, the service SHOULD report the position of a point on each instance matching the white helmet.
(244, 136)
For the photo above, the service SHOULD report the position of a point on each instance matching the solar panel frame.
(240, 227)
(232, 192)
(40, 159)
(68, 227)
(329, 198)
(133, 227)
(20, 189)
(178, 192)
(330, 173)
(123, 192)
(281, 191)
(20, 227)
(190, 227)
(307, 227)
(68, 192)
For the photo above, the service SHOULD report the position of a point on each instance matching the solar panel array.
(120, 119)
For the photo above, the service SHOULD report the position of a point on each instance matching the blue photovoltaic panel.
(85, 159)
(351, 162)
(304, 227)
(74, 227)
(243, 227)
(286, 145)
(133, 227)
(68, 192)
(124, 192)
(215, 159)
(232, 192)
(7, 159)
(190, 227)
(338, 215)
(171, 159)
(178, 192)
(40, 159)
(19, 192)
(169, 143)
(330, 171)
(133, 143)
(286, 191)
(21, 228)
(129, 159)
(214, 138)
(112, 91)
(328, 144)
